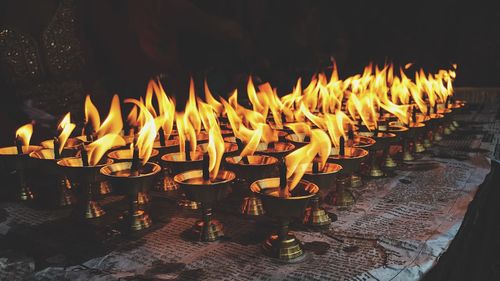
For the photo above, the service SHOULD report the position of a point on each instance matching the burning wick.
(435, 109)
(271, 146)
(57, 146)
(315, 167)
(84, 155)
(428, 109)
(187, 150)
(447, 102)
(205, 170)
(350, 135)
(89, 131)
(134, 168)
(413, 115)
(307, 138)
(19, 146)
(342, 146)
(240, 148)
(283, 182)
(162, 136)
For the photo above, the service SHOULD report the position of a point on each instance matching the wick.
(446, 103)
(283, 181)
(57, 146)
(134, 168)
(350, 134)
(435, 107)
(271, 146)
(429, 109)
(84, 155)
(206, 172)
(162, 136)
(413, 115)
(187, 150)
(240, 148)
(19, 146)
(89, 131)
(315, 167)
(342, 146)
(307, 138)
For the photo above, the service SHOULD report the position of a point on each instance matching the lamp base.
(93, 210)
(188, 204)
(167, 184)
(139, 220)
(66, 198)
(407, 156)
(287, 249)
(438, 137)
(104, 188)
(427, 143)
(375, 171)
(25, 193)
(252, 206)
(356, 181)
(208, 232)
(419, 147)
(389, 162)
(447, 131)
(316, 218)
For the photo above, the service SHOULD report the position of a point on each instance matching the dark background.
(280, 40)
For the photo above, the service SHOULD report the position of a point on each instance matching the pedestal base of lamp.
(166, 184)
(356, 181)
(407, 156)
(93, 210)
(143, 198)
(340, 198)
(419, 147)
(104, 188)
(188, 204)
(66, 198)
(427, 143)
(25, 193)
(286, 249)
(252, 206)
(438, 137)
(317, 218)
(447, 131)
(139, 220)
(207, 232)
(389, 162)
(375, 171)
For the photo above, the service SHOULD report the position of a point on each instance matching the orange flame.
(99, 147)
(66, 128)
(337, 124)
(217, 106)
(113, 124)
(298, 161)
(92, 114)
(24, 134)
(147, 133)
(215, 149)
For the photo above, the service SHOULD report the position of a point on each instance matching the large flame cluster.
(323, 110)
